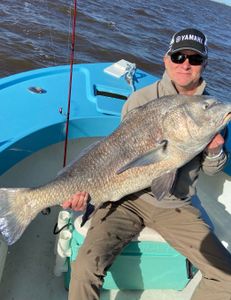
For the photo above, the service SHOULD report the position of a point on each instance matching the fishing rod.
(70, 81)
(47, 210)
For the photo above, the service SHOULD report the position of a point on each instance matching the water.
(37, 33)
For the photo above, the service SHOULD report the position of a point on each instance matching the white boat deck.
(28, 272)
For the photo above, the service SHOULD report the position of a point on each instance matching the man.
(182, 228)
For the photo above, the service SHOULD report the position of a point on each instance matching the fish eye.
(209, 103)
(205, 105)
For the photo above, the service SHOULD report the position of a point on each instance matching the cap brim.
(205, 55)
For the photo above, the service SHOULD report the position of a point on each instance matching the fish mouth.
(227, 118)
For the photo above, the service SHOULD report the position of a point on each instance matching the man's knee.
(89, 265)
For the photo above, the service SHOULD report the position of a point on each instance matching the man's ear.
(165, 59)
(205, 63)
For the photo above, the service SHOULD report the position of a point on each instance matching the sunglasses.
(194, 59)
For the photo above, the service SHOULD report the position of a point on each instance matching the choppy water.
(37, 33)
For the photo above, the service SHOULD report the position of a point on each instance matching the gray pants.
(113, 227)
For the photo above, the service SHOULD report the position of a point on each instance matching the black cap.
(190, 39)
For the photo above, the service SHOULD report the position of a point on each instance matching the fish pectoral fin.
(162, 185)
(150, 157)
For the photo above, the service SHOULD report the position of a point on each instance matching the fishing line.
(50, 35)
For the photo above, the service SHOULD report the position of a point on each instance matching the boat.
(32, 149)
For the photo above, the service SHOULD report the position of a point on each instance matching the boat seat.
(146, 234)
(147, 262)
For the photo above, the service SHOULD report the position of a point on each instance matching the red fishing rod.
(46, 211)
(70, 81)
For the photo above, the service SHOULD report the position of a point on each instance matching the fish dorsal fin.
(82, 153)
(162, 185)
(150, 157)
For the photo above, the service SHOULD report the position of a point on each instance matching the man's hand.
(215, 146)
(77, 202)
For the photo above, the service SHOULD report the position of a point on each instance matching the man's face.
(184, 75)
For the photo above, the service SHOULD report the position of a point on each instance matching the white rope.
(130, 74)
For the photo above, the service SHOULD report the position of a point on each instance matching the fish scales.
(152, 141)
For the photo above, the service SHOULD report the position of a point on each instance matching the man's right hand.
(77, 202)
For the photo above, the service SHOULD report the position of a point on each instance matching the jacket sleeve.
(139, 98)
(211, 165)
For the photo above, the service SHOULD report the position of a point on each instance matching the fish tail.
(15, 214)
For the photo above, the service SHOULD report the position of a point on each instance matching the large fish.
(152, 142)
